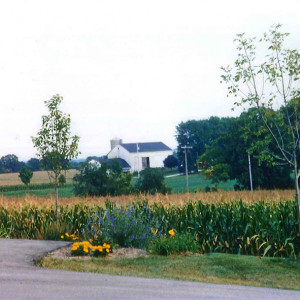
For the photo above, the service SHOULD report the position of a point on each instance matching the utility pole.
(250, 173)
(138, 161)
(186, 167)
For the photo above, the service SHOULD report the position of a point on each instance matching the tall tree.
(273, 87)
(34, 164)
(197, 134)
(10, 163)
(55, 145)
(227, 157)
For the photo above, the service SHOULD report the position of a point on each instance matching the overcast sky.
(127, 69)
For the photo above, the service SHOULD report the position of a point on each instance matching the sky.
(130, 69)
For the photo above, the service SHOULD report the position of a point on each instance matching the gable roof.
(145, 147)
(122, 162)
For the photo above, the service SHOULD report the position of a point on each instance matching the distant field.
(197, 182)
(38, 177)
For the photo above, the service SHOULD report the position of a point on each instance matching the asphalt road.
(20, 279)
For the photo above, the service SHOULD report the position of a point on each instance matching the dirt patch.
(65, 253)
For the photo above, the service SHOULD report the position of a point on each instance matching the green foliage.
(25, 175)
(62, 180)
(259, 228)
(171, 162)
(197, 134)
(54, 142)
(152, 181)
(102, 181)
(54, 231)
(272, 87)
(30, 187)
(10, 164)
(128, 227)
(226, 158)
(34, 164)
(178, 244)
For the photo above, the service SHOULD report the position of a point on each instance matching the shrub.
(101, 181)
(152, 181)
(173, 244)
(25, 175)
(128, 227)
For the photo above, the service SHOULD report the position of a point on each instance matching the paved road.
(20, 279)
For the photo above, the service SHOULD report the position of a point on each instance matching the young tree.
(25, 175)
(273, 87)
(55, 145)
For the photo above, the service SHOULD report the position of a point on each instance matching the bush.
(128, 227)
(101, 181)
(25, 175)
(179, 243)
(152, 181)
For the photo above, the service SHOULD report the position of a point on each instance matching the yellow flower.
(67, 235)
(172, 232)
(107, 250)
(62, 236)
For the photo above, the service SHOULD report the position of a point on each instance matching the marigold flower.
(62, 236)
(172, 232)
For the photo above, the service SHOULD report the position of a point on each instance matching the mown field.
(38, 178)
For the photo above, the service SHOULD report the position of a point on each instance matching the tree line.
(221, 148)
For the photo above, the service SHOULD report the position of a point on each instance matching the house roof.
(123, 163)
(145, 147)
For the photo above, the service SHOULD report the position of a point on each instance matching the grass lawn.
(66, 192)
(196, 182)
(177, 184)
(212, 268)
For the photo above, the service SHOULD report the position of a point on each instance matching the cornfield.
(261, 227)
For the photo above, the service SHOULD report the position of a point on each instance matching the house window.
(145, 162)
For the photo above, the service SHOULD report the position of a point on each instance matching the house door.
(145, 162)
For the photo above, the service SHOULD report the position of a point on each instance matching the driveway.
(20, 279)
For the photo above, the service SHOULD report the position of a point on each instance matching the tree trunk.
(56, 203)
(297, 192)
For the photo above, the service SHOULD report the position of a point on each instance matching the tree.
(171, 162)
(25, 175)
(227, 157)
(273, 87)
(10, 163)
(101, 181)
(197, 134)
(152, 181)
(55, 145)
(34, 164)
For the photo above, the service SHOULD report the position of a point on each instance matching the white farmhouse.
(140, 155)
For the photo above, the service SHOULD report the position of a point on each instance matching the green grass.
(196, 182)
(177, 184)
(212, 268)
(63, 192)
